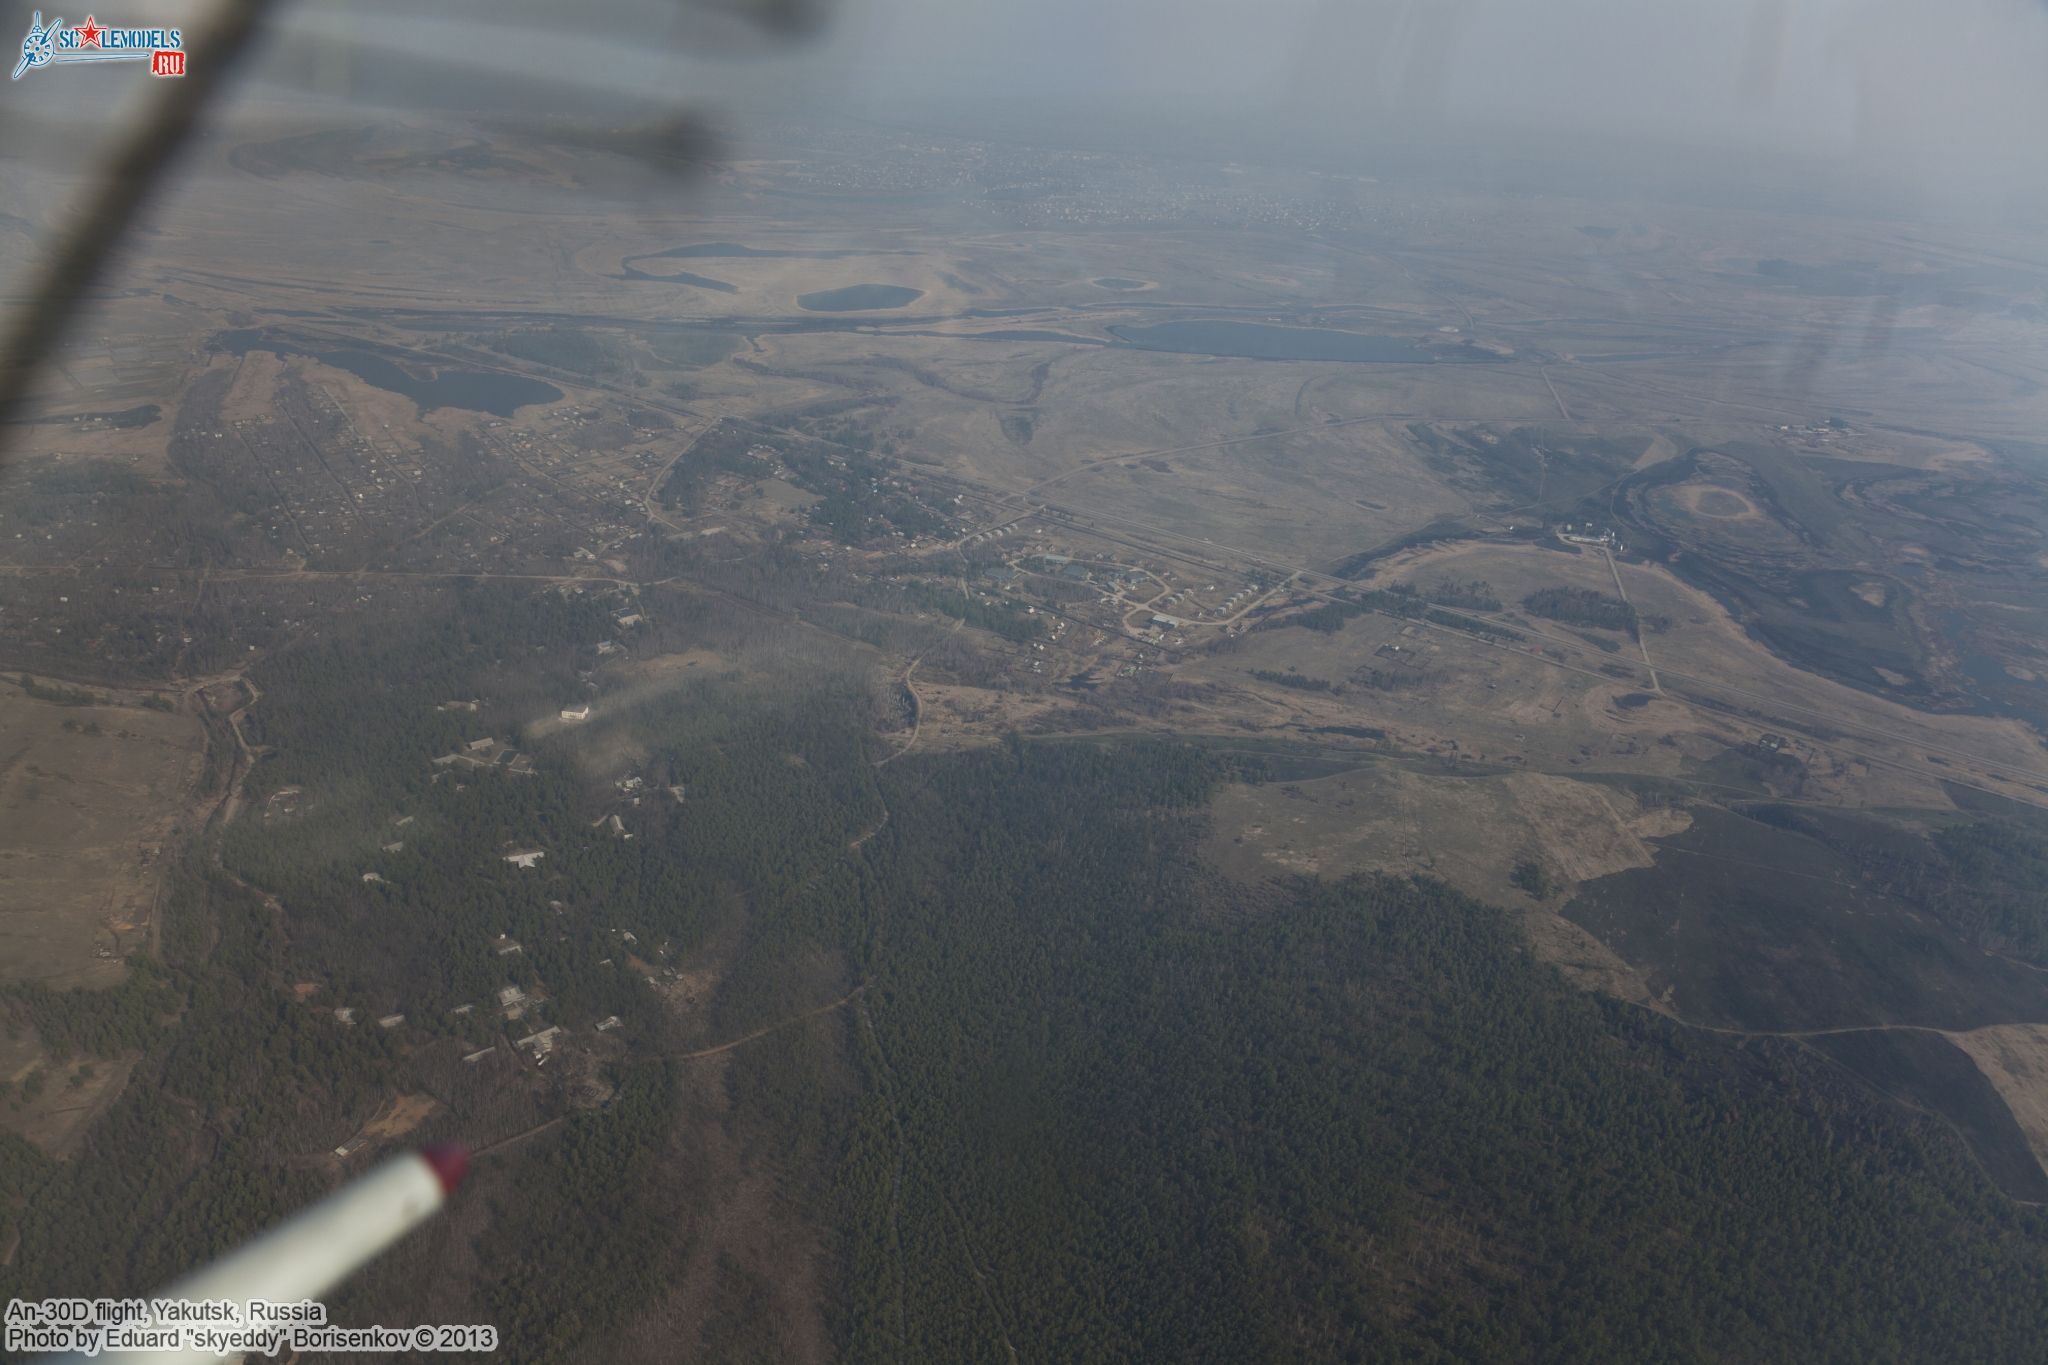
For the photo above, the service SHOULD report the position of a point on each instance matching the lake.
(856, 298)
(436, 386)
(1261, 341)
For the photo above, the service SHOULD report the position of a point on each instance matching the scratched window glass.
(965, 680)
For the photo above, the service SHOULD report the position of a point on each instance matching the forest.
(1582, 607)
(1144, 1114)
(1300, 682)
(1080, 1096)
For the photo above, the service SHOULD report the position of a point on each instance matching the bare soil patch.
(399, 1116)
(1470, 831)
(91, 798)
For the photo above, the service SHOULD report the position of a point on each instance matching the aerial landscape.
(949, 745)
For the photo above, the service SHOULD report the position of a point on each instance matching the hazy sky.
(1949, 92)
(1949, 97)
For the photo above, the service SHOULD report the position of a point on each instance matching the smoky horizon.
(1866, 105)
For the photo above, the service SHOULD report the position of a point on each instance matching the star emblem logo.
(89, 33)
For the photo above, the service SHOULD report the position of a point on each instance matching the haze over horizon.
(1930, 111)
(1943, 103)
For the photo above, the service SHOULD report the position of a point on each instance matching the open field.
(1702, 653)
(1470, 831)
(73, 1093)
(92, 798)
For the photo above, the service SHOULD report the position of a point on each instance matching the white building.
(542, 1043)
